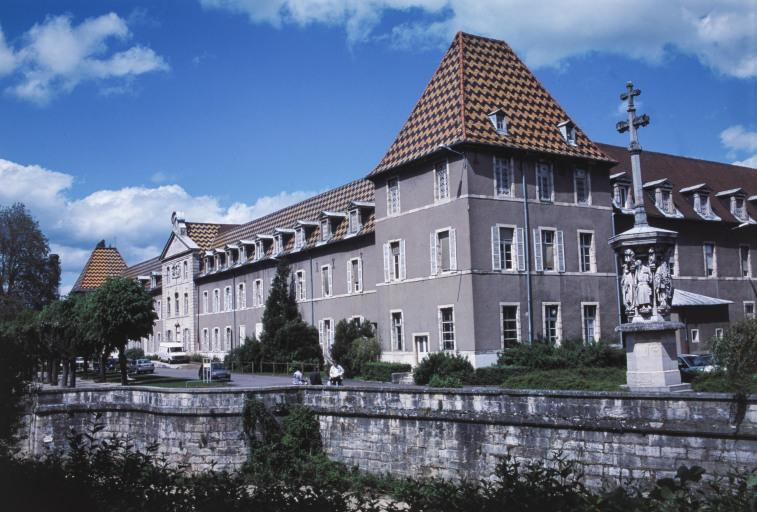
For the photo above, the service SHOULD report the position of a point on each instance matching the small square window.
(695, 335)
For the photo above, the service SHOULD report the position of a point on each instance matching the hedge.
(494, 375)
(382, 370)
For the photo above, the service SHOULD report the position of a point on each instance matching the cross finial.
(630, 126)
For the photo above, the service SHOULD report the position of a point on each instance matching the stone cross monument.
(645, 282)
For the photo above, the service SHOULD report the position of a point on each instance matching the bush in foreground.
(736, 352)
(383, 370)
(443, 365)
(580, 379)
(570, 354)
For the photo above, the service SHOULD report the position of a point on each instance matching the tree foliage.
(29, 274)
(345, 334)
(736, 352)
(122, 310)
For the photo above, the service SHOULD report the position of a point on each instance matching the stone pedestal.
(651, 356)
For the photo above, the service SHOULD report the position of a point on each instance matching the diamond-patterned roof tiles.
(104, 262)
(478, 76)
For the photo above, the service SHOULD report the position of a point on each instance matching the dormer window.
(568, 132)
(259, 250)
(325, 230)
(354, 222)
(299, 238)
(700, 200)
(499, 121)
(278, 244)
(663, 197)
(664, 200)
(622, 195)
(738, 207)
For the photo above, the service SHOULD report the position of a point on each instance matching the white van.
(173, 353)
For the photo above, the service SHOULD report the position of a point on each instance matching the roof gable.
(478, 76)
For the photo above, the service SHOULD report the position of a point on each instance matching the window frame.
(352, 285)
(441, 322)
(751, 315)
(597, 324)
(549, 169)
(418, 354)
(393, 209)
(258, 294)
(558, 321)
(241, 295)
(502, 306)
(389, 266)
(216, 300)
(326, 234)
(587, 185)
(353, 228)
(694, 335)
(393, 333)
(441, 167)
(436, 253)
(510, 172)
(228, 298)
(714, 259)
(748, 269)
(300, 285)
(329, 276)
(592, 252)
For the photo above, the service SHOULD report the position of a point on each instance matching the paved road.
(190, 371)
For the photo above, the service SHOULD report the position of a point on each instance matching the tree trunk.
(48, 375)
(103, 359)
(66, 369)
(72, 374)
(122, 365)
(54, 372)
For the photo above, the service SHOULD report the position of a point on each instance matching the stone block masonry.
(425, 432)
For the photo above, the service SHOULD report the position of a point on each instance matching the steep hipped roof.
(104, 262)
(337, 199)
(478, 76)
(683, 173)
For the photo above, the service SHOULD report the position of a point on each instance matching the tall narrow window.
(505, 248)
(622, 196)
(582, 186)
(216, 300)
(228, 339)
(299, 238)
(709, 260)
(503, 177)
(552, 323)
(186, 303)
(394, 261)
(590, 322)
(241, 296)
(354, 275)
(257, 289)
(586, 252)
(695, 335)
(278, 244)
(168, 307)
(397, 330)
(549, 252)
(205, 302)
(746, 264)
(737, 208)
(176, 304)
(185, 266)
(392, 196)
(326, 334)
(510, 326)
(325, 230)
(447, 327)
(299, 280)
(326, 280)
(548, 249)
(544, 181)
(354, 222)
(216, 339)
(227, 306)
(159, 310)
(443, 251)
(749, 310)
(441, 181)
(205, 340)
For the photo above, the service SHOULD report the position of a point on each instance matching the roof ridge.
(681, 156)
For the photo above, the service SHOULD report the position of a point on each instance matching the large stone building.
(485, 224)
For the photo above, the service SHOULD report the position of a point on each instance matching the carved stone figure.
(643, 288)
(663, 286)
(627, 283)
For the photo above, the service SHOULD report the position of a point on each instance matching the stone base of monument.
(651, 357)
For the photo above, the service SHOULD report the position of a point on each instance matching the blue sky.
(117, 112)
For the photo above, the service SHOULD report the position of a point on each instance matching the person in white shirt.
(336, 374)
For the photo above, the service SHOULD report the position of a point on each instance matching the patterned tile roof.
(104, 262)
(143, 268)
(337, 199)
(203, 234)
(476, 77)
(683, 172)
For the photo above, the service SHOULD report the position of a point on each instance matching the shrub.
(570, 354)
(445, 382)
(296, 341)
(443, 365)
(494, 375)
(582, 379)
(345, 335)
(736, 351)
(383, 370)
(135, 353)
(247, 355)
(362, 352)
(718, 382)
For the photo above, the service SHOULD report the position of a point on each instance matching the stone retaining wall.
(422, 432)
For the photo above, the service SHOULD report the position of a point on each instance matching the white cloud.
(737, 138)
(55, 56)
(135, 219)
(747, 162)
(720, 34)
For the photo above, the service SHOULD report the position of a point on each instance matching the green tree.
(122, 311)
(285, 336)
(29, 274)
(347, 331)
(736, 352)
(18, 355)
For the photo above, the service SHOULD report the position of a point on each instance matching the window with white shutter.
(387, 262)
(496, 253)
(452, 249)
(538, 261)
(402, 260)
(520, 249)
(434, 258)
(326, 281)
(354, 279)
(242, 333)
(560, 251)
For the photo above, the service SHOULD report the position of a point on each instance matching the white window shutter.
(452, 250)
(320, 333)
(593, 255)
(331, 281)
(432, 256)
(439, 328)
(538, 262)
(349, 277)
(520, 249)
(359, 275)
(496, 259)
(402, 259)
(304, 286)
(560, 251)
(386, 262)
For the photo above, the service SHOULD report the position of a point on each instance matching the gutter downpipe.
(235, 298)
(527, 253)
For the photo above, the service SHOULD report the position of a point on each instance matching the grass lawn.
(159, 381)
(581, 379)
(717, 383)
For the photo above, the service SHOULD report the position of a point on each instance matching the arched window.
(216, 300)
(168, 306)
(227, 339)
(186, 270)
(176, 304)
(186, 303)
(186, 337)
(241, 297)
(216, 339)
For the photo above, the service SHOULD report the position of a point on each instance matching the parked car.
(111, 364)
(144, 366)
(217, 371)
(694, 364)
(81, 364)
